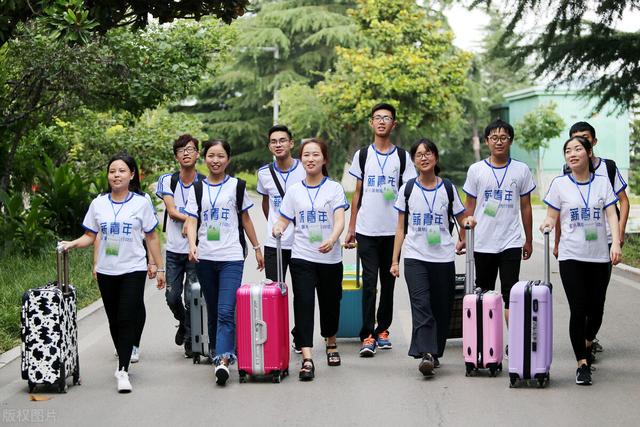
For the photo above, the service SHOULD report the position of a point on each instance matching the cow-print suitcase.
(50, 332)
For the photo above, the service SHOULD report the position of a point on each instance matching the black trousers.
(271, 265)
(123, 298)
(487, 266)
(585, 284)
(375, 254)
(431, 288)
(324, 279)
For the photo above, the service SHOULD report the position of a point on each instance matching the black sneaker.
(222, 373)
(188, 351)
(596, 347)
(426, 365)
(180, 335)
(436, 362)
(583, 375)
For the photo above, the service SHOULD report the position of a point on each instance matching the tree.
(574, 48)
(536, 129)
(634, 166)
(74, 19)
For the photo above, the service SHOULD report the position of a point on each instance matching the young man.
(380, 169)
(273, 181)
(173, 189)
(498, 196)
(608, 168)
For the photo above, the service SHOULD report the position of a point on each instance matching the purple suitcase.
(531, 327)
(481, 322)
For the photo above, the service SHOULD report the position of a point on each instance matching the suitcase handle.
(547, 257)
(470, 263)
(62, 268)
(261, 332)
(279, 268)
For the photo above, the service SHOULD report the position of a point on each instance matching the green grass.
(631, 250)
(17, 274)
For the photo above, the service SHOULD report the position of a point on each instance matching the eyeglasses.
(280, 141)
(424, 155)
(501, 138)
(185, 150)
(383, 119)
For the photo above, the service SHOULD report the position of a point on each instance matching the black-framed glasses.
(424, 155)
(501, 138)
(185, 150)
(383, 119)
(280, 141)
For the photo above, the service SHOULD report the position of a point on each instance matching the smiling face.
(576, 155)
(216, 159)
(425, 159)
(187, 155)
(312, 158)
(119, 176)
(499, 142)
(382, 123)
(280, 144)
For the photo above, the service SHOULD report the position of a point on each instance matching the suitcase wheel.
(276, 377)
(32, 386)
(196, 359)
(500, 367)
(512, 381)
(242, 376)
(62, 386)
(285, 373)
(469, 369)
(492, 371)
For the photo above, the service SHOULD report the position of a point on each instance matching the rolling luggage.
(50, 331)
(262, 331)
(198, 316)
(481, 322)
(531, 327)
(351, 303)
(455, 326)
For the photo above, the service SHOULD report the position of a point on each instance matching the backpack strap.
(174, 183)
(362, 160)
(566, 170)
(402, 155)
(240, 189)
(197, 188)
(448, 185)
(276, 180)
(407, 193)
(612, 170)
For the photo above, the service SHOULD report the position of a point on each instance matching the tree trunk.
(475, 142)
(6, 173)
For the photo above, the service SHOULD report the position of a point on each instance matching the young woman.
(583, 201)
(316, 207)
(216, 248)
(121, 215)
(429, 255)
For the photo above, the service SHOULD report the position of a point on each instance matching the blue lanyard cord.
(184, 200)
(433, 202)
(586, 202)
(386, 157)
(313, 201)
(213, 205)
(115, 214)
(503, 176)
(285, 178)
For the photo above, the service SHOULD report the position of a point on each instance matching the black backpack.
(240, 189)
(362, 160)
(407, 193)
(174, 184)
(611, 173)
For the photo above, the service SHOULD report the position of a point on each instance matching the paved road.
(170, 390)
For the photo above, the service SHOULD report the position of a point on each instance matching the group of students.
(400, 202)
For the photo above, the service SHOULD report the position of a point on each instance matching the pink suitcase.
(262, 330)
(481, 322)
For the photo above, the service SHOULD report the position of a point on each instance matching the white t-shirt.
(428, 238)
(122, 225)
(582, 216)
(267, 187)
(376, 216)
(313, 209)
(218, 238)
(497, 192)
(176, 242)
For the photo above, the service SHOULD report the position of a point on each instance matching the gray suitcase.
(199, 332)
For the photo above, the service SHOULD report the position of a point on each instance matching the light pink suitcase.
(481, 322)
(262, 330)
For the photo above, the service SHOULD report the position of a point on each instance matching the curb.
(11, 355)
(628, 269)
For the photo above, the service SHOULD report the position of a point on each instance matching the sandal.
(333, 357)
(307, 372)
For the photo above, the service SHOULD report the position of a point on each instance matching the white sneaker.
(135, 354)
(124, 386)
(222, 374)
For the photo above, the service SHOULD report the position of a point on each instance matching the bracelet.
(160, 270)
(256, 247)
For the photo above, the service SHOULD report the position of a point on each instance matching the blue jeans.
(219, 281)
(178, 266)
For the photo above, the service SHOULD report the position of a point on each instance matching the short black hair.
(429, 146)
(213, 142)
(498, 124)
(182, 141)
(384, 106)
(581, 127)
(279, 128)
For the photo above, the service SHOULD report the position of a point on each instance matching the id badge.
(315, 234)
(433, 235)
(112, 248)
(491, 207)
(590, 232)
(213, 232)
(389, 193)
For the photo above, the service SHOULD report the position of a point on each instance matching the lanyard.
(115, 214)
(213, 205)
(184, 200)
(586, 202)
(496, 176)
(433, 202)
(386, 157)
(313, 201)
(285, 177)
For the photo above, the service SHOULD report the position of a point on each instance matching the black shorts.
(488, 265)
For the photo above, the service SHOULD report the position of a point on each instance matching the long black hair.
(134, 184)
(429, 146)
(324, 149)
(587, 146)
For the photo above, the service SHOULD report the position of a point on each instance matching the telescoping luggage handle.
(62, 267)
(547, 262)
(279, 268)
(470, 278)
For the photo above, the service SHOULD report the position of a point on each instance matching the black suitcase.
(455, 325)
(50, 332)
